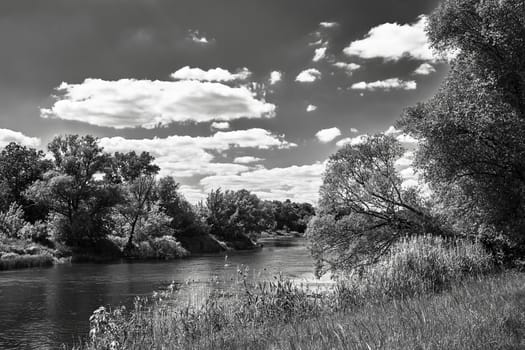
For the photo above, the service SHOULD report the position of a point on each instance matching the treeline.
(92, 202)
(470, 155)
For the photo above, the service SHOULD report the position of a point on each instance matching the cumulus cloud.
(187, 156)
(275, 77)
(320, 53)
(7, 136)
(197, 37)
(299, 183)
(392, 41)
(215, 74)
(311, 108)
(354, 130)
(220, 125)
(328, 24)
(328, 135)
(308, 75)
(348, 67)
(388, 84)
(425, 69)
(128, 103)
(353, 141)
(247, 160)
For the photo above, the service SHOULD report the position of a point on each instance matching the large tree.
(472, 132)
(20, 166)
(363, 206)
(72, 191)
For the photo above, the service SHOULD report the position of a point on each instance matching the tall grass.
(435, 296)
(14, 261)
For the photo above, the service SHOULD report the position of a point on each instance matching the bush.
(415, 266)
(12, 222)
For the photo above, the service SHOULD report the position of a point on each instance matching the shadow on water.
(42, 308)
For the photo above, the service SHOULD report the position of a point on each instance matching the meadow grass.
(426, 294)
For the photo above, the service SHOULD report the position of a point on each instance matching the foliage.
(184, 219)
(291, 216)
(19, 168)
(472, 149)
(363, 208)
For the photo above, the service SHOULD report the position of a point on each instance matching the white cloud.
(197, 37)
(300, 183)
(328, 24)
(328, 135)
(275, 77)
(320, 53)
(353, 141)
(193, 194)
(186, 156)
(354, 130)
(311, 108)
(7, 136)
(425, 69)
(393, 41)
(348, 67)
(308, 75)
(247, 160)
(388, 84)
(128, 103)
(220, 125)
(408, 142)
(216, 74)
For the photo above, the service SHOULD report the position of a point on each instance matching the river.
(43, 308)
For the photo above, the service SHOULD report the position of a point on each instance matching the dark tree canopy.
(472, 132)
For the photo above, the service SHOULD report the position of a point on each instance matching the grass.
(14, 261)
(450, 299)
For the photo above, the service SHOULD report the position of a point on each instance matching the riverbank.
(426, 294)
(18, 253)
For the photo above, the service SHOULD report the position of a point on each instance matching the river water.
(43, 308)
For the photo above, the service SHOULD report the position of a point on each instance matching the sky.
(253, 94)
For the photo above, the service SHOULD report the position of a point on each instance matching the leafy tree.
(20, 166)
(184, 219)
(472, 132)
(363, 208)
(127, 167)
(72, 190)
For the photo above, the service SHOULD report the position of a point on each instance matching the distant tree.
(72, 190)
(20, 166)
(472, 132)
(363, 209)
(184, 220)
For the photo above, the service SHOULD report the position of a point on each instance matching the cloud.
(216, 74)
(425, 69)
(7, 136)
(197, 37)
(220, 125)
(353, 141)
(247, 160)
(392, 41)
(300, 183)
(348, 67)
(354, 130)
(328, 135)
(311, 108)
(187, 156)
(308, 75)
(328, 24)
(128, 103)
(388, 84)
(320, 53)
(275, 77)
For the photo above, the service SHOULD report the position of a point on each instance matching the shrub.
(12, 221)
(416, 265)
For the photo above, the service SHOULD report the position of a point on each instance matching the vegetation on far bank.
(85, 203)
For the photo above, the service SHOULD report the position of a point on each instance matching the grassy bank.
(19, 253)
(450, 298)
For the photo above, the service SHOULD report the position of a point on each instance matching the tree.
(127, 167)
(363, 207)
(472, 132)
(20, 166)
(72, 191)
(184, 220)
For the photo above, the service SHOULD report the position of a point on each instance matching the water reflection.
(42, 308)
